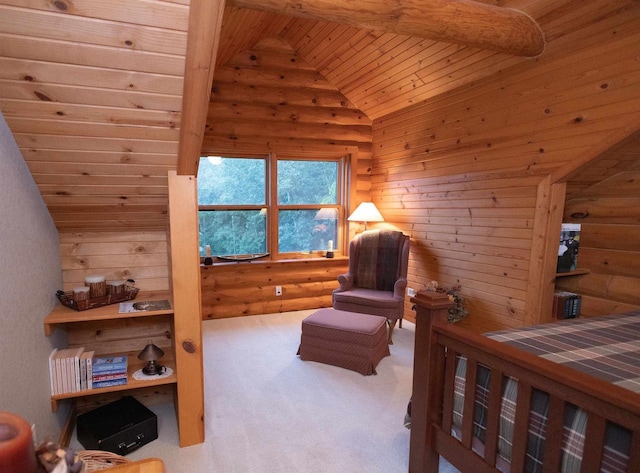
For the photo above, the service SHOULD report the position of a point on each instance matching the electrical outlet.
(411, 291)
(278, 290)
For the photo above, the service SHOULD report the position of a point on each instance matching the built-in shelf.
(65, 318)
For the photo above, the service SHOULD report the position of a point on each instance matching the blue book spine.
(107, 364)
(113, 371)
(107, 384)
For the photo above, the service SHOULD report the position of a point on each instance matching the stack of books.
(566, 305)
(109, 371)
(75, 369)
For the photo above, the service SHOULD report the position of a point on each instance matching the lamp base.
(329, 254)
(152, 368)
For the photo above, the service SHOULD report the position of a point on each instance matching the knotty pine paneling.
(269, 99)
(460, 173)
(239, 289)
(141, 256)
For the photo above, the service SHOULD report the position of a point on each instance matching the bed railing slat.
(469, 402)
(521, 426)
(449, 387)
(634, 457)
(553, 435)
(593, 443)
(493, 417)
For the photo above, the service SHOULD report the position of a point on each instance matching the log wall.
(463, 174)
(141, 256)
(238, 289)
(268, 99)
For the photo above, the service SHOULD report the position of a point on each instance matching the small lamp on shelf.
(151, 354)
(366, 212)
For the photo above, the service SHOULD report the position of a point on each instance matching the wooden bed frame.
(432, 401)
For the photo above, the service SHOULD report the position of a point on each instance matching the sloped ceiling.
(92, 90)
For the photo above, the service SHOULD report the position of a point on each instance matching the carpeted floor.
(267, 411)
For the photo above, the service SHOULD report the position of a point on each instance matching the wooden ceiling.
(93, 90)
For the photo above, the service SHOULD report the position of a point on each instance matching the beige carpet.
(267, 411)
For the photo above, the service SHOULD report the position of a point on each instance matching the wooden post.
(431, 309)
(185, 276)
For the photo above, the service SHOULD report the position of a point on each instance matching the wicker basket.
(97, 460)
(66, 298)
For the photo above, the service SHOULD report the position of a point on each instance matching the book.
(89, 367)
(75, 368)
(109, 383)
(566, 305)
(568, 248)
(64, 369)
(85, 374)
(101, 364)
(109, 377)
(52, 372)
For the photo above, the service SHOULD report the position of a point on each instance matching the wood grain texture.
(465, 22)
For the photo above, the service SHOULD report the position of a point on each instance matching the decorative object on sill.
(140, 376)
(74, 299)
(242, 258)
(16, 445)
(366, 212)
(208, 260)
(330, 249)
(151, 354)
(457, 312)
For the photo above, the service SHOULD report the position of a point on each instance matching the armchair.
(377, 277)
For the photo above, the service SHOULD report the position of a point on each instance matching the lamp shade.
(327, 213)
(151, 353)
(366, 212)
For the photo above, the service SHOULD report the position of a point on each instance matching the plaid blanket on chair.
(379, 251)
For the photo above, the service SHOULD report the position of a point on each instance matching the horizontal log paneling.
(238, 289)
(532, 119)
(141, 256)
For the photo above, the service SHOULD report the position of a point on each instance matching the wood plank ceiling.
(92, 90)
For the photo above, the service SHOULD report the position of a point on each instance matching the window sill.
(306, 259)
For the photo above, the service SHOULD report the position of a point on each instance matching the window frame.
(273, 208)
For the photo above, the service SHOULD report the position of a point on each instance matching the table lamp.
(366, 212)
(151, 353)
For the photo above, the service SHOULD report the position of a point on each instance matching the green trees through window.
(238, 215)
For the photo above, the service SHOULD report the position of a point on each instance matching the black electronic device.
(119, 427)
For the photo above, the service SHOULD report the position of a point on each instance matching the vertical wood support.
(185, 275)
(544, 251)
(431, 308)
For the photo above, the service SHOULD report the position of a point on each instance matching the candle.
(17, 454)
(97, 285)
(330, 245)
(207, 251)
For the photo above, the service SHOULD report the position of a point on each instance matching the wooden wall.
(268, 99)
(141, 256)
(238, 289)
(460, 173)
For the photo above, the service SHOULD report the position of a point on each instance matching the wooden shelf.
(575, 272)
(65, 317)
(62, 315)
(131, 384)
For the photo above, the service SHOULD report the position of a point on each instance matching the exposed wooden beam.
(456, 21)
(205, 21)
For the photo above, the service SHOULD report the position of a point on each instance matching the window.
(282, 206)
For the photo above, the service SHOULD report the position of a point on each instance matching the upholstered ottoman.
(346, 339)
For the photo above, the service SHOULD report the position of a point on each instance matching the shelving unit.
(104, 319)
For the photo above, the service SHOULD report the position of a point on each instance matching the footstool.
(346, 339)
